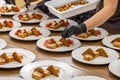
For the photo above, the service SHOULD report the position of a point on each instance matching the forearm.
(102, 16)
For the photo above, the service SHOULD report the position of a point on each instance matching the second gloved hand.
(74, 30)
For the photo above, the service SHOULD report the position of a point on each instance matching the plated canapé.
(57, 24)
(10, 9)
(95, 55)
(30, 17)
(29, 33)
(58, 44)
(91, 35)
(46, 70)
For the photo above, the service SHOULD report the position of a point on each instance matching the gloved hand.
(10, 1)
(42, 7)
(74, 30)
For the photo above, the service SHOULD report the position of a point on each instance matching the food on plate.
(92, 32)
(56, 25)
(52, 43)
(27, 17)
(18, 57)
(5, 58)
(39, 72)
(6, 9)
(8, 58)
(6, 23)
(2, 61)
(90, 54)
(54, 70)
(22, 33)
(116, 42)
(102, 52)
(71, 5)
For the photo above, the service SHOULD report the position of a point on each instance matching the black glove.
(10, 1)
(74, 30)
(42, 7)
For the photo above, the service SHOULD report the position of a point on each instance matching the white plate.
(44, 22)
(107, 41)
(65, 69)
(28, 57)
(81, 78)
(45, 17)
(15, 25)
(112, 55)
(12, 13)
(44, 32)
(11, 78)
(114, 67)
(87, 78)
(2, 2)
(59, 49)
(2, 43)
(103, 34)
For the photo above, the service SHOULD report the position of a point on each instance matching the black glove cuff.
(82, 27)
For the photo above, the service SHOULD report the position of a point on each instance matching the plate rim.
(73, 56)
(26, 62)
(15, 17)
(22, 39)
(16, 22)
(112, 47)
(40, 24)
(4, 43)
(50, 50)
(41, 61)
(93, 39)
(110, 67)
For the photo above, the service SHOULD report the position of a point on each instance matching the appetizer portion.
(27, 17)
(53, 44)
(5, 58)
(6, 23)
(39, 72)
(91, 32)
(6, 9)
(116, 42)
(56, 25)
(90, 54)
(71, 5)
(25, 33)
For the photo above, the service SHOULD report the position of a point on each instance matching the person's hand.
(74, 30)
(41, 6)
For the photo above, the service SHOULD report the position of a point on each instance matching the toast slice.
(17, 57)
(2, 61)
(8, 58)
(54, 70)
(102, 52)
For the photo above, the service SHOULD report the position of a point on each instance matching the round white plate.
(44, 32)
(114, 67)
(65, 69)
(2, 43)
(112, 55)
(15, 17)
(12, 13)
(107, 41)
(87, 78)
(15, 25)
(11, 78)
(28, 57)
(59, 49)
(81, 78)
(103, 34)
(2, 2)
(44, 22)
